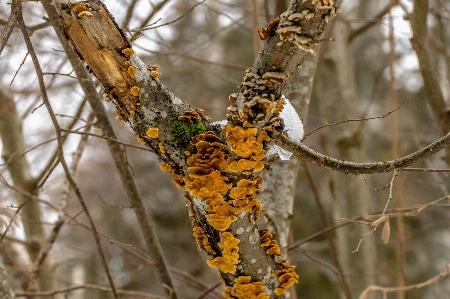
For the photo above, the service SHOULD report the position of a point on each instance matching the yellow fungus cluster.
(81, 11)
(202, 240)
(85, 13)
(246, 144)
(79, 8)
(153, 71)
(230, 254)
(161, 148)
(269, 244)
(128, 51)
(243, 196)
(286, 276)
(243, 288)
(152, 132)
(134, 91)
(206, 180)
(131, 71)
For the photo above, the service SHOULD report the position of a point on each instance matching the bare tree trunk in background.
(420, 44)
(6, 292)
(13, 147)
(339, 102)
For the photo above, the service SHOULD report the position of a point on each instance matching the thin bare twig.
(348, 120)
(18, 69)
(6, 33)
(391, 188)
(129, 14)
(376, 189)
(382, 218)
(60, 145)
(70, 126)
(364, 220)
(175, 20)
(43, 253)
(375, 20)
(386, 290)
(108, 138)
(206, 292)
(88, 286)
(156, 8)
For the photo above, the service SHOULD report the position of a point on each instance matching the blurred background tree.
(369, 70)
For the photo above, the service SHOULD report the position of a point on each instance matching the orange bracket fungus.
(131, 71)
(265, 33)
(286, 276)
(243, 288)
(79, 8)
(128, 51)
(134, 91)
(230, 254)
(202, 240)
(268, 243)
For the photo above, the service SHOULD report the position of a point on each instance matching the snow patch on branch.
(293, 126)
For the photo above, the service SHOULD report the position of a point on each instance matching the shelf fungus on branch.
(244, 288)
(217, 166)
(292, 21)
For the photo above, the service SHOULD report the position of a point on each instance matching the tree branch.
(211, 166)
(310, 155)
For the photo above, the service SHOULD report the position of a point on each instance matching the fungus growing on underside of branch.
(243, 288)
(286, 276)
(230, 254)
(269, 244)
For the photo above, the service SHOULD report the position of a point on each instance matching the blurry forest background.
(368, 70)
